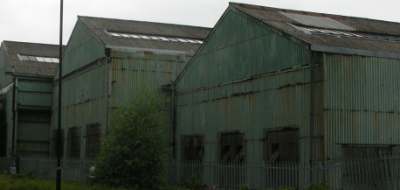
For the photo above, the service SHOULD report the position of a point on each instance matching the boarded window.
(54, 142)
(193, 148)
(192, 157)
(281, 145)
(232, 147)
(74, 142)
(93, 140)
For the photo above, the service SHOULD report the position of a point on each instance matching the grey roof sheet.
(99, 26)
(29, 67)
(380, 38)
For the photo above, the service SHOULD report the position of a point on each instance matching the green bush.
(133, 153)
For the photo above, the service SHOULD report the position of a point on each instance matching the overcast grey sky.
(37, 20)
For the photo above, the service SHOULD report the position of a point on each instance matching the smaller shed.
(26, 77)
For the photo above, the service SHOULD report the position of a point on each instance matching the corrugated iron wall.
(84, 99)
(133, 71)
(361, 102)
(83, 48)
(252, 80)
(91, 93)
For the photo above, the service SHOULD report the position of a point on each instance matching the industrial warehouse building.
(26, 78)
(269, 98)
(107, 62)
(274, 86)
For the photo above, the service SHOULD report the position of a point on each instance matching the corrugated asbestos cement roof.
(29, 67)
(103, 27)
(332, 33)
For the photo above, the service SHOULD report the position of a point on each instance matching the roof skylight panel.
(336, 33)
(37, 59)
(153, 37)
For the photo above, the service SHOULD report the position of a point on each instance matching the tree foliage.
(134, 152)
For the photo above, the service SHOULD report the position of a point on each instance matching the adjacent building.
(26, 78)
(107, 62)
(274, 86)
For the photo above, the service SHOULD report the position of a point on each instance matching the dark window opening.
(193, 148)
(55, 145)
(74, 142)
(93, 140)
(232, 147)
(281, 145)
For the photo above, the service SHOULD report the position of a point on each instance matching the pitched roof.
(103, 27)
(14, 63)
(332, 33)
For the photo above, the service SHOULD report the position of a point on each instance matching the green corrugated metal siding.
(33, 133)
(250, 80)
(34, 92)
(83, 48)
(133, 71)
(84, 91)
(228, 50)
(85, 98)
(361, 98)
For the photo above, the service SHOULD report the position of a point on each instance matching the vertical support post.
(59, 135)
(14, 129)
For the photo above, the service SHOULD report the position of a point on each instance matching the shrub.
(133, 153)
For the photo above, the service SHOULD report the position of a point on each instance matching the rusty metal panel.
(361, 98)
